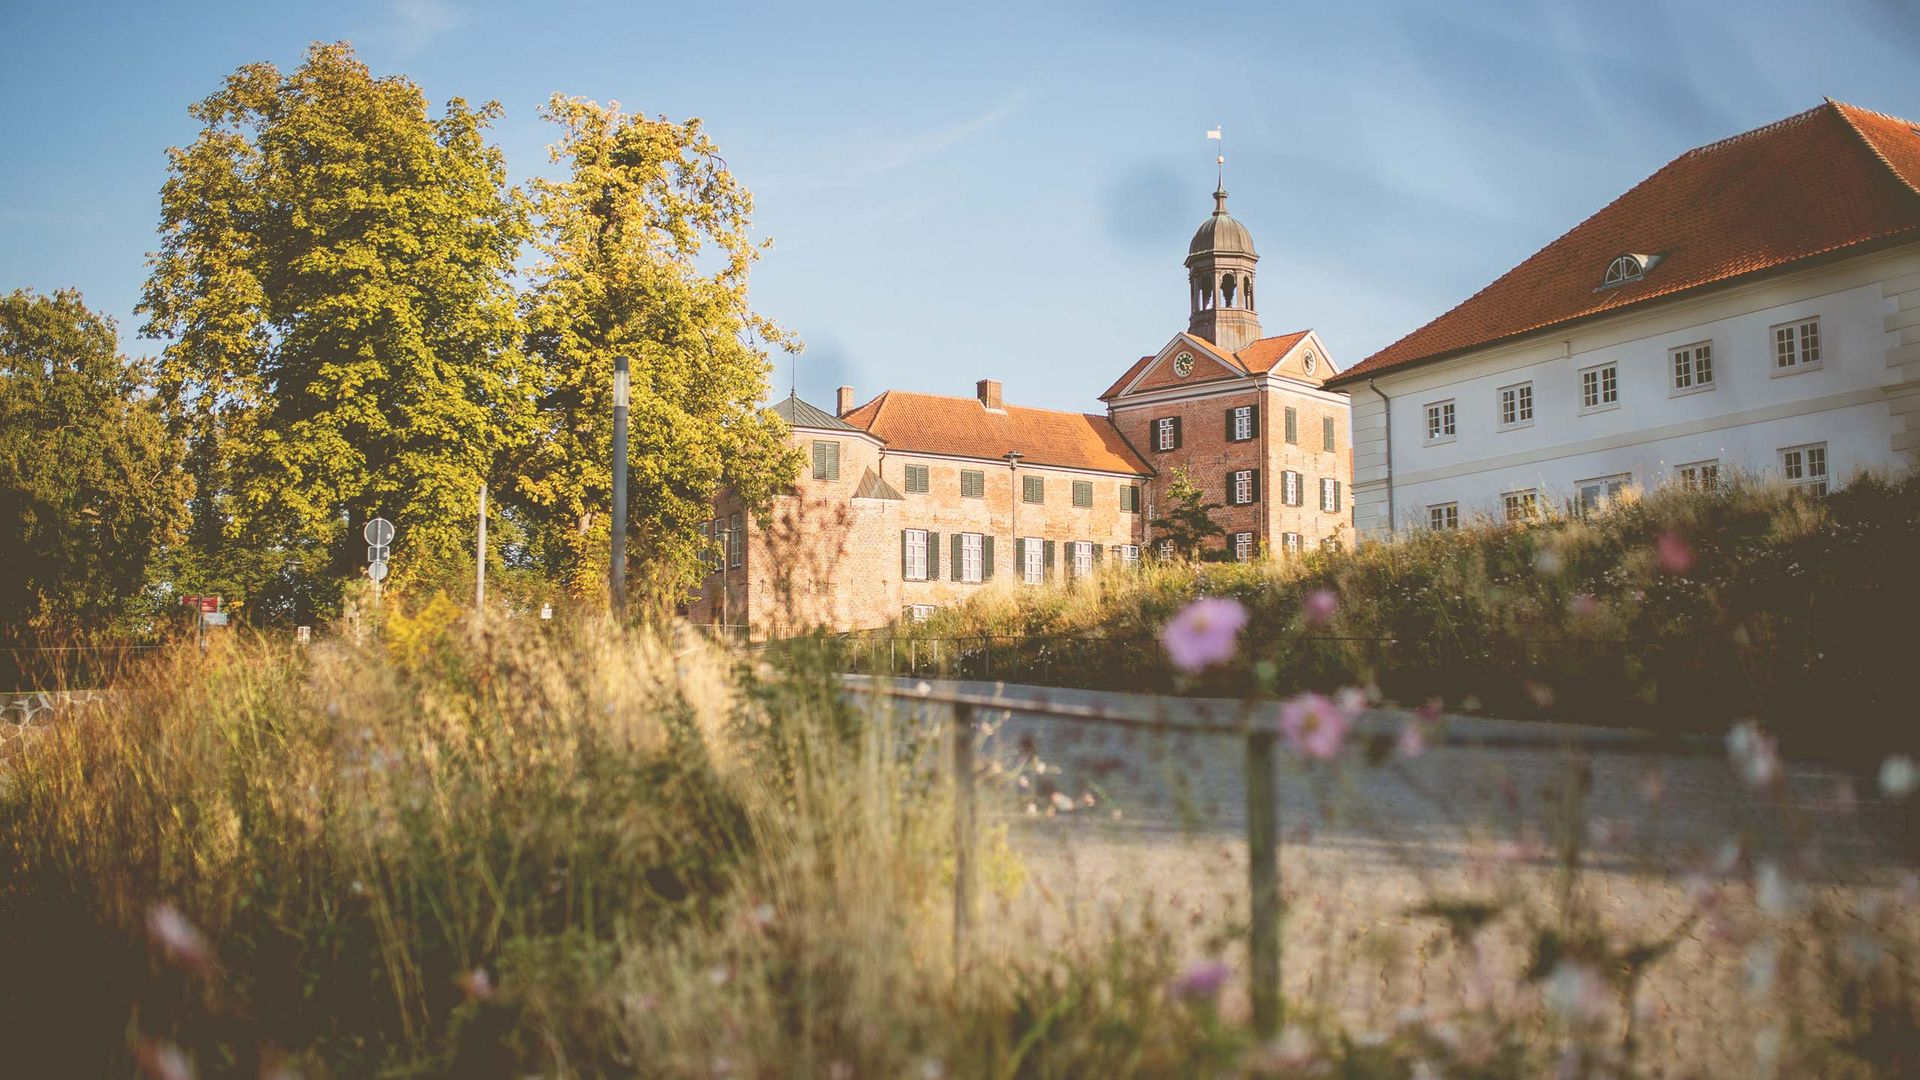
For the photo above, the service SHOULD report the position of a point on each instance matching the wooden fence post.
(963, 821)
(1263, 881)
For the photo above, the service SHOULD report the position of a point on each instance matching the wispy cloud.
(420, 21)
(878, 158)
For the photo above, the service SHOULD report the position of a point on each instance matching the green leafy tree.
(1188, 525)
(334, 287)
(644, 251)
(91, 483)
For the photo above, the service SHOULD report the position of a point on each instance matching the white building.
(1753, 306)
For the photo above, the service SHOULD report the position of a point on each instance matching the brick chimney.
(843, 402)
(988, 391)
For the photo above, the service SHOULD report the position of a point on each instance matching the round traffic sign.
(379, 532)
(377, 571)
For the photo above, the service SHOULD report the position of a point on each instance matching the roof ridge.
(1841, 108)
(1763, 129)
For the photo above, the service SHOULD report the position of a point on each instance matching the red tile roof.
(962, 427)
(1835, 178)
(1260, 356)
(1256, 358)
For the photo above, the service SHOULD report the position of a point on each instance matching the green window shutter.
(1326, 431)
(1255, 487)
(903, 554)
(1253, 414)
(973, 484)
(1176, 433)
(957, 565)
(1083, 493)
(1096, 554)
(1336, 496)
(1293, 425)
(986, 558)
(933, 556)
(1046, 559)
(1230, 500)
(1230, 411)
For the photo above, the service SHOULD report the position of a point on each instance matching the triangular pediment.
(1201, 361)
(1300, 357)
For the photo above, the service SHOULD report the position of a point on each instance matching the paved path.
(1163, 838)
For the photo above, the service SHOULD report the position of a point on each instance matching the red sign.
(207, 604)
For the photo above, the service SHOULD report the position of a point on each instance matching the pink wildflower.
(475, 985)
(1584, 605)
(1202, 981)
(176, 938)
(1675, 556)
(1899, 776)
(1205, 633)
(1315, 725)
(1577, 993)
(1413, 737)
(1320, 606)
(162, 1061)
(1754, 753)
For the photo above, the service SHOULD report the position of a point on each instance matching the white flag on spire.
(1213, 133)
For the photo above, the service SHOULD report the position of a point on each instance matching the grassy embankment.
(1679, 609)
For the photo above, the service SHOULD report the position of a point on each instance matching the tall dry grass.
(534, 849)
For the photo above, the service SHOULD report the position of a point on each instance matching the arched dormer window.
(1627, 268)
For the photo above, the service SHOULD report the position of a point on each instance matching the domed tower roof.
(1220, 234)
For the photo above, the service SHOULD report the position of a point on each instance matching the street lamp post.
(617, 572)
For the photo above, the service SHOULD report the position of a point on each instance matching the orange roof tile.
(962, 427)
(1834, 178)
(1260, 356)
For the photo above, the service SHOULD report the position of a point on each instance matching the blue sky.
(977, 190)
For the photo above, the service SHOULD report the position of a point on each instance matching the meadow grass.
(575, 849)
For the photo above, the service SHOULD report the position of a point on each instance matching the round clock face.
(1183, 364)
(1307, 362)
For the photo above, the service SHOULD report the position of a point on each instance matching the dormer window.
(1628, 268)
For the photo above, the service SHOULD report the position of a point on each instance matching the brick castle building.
(914, 501)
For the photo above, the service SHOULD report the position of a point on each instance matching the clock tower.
(1220, 264)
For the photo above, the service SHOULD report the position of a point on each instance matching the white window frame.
(1292, 543)
(1690, 368)
(1520, 396)
(1521, 505)
(1130, 554)
(1163, 433)
(1807, 466)
(1442, 422)
(1605, 381)
(1443, 516)
(1243, 547)
(971, 557)
(1033, 563)
(1329, 495)
(1694, 475)
(1242, 423)
(916, 548)
(1242, 487)
(920, 612)
(1082, 555)
(1790, 341)
(1609, 487)
(1291, 485)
